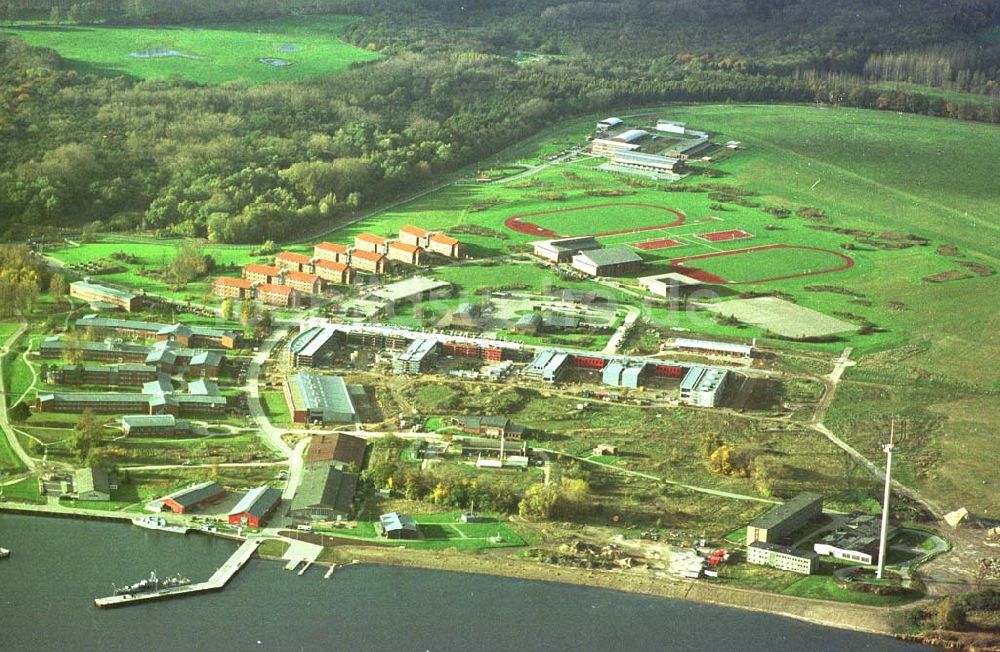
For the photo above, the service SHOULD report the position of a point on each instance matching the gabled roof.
(189, 496)
(610, 256)
(293, 257)
(274, 289)
(305, 277)
(443, 239)
(257, 502)
(367, 255)
(210, 358)
(395, 521)
(234, 282)
(402, 246)
(337, 447)
(256, 268)
(325, 485)
(204, 388)
(329, 264)
(413, 230)
(91, 479)
(331, 246)
(370, 237)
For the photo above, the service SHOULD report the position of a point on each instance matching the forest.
(241, 163)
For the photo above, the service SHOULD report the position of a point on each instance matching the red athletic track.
(708, 277)
(656, 244)
(723, 236)
(516, 222)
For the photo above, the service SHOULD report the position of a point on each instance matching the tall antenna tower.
(885, 500)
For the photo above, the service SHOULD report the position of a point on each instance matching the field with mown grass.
(209, 54)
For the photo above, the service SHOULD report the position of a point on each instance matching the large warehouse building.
(614, 261)
(313, 398)
(785, 519)
(96, 294)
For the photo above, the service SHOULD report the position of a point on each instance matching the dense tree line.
(235, 163)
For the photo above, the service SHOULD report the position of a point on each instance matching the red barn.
(254, 508)
(184, 500)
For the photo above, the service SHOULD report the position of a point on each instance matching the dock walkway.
(216, 582)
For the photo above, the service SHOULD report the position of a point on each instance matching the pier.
(216, 582)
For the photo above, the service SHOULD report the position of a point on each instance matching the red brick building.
(254, 508)
(189, 498)
(369, 262)
(334, 272)
(237, 288)
(293, 261)
(260, 273)
(405, 253)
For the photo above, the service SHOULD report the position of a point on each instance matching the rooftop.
(257, 268)
(189, 496)
(413, 230)
(274, 288)
(331, 246)
(370, 237)
(443, 239)
(338, 447)
(257, 502)
(329, 264)
(102, 289)
(324, 484)
(402, 246)
(396, 521)
(293, 257)
(778, 514)
(610, 256)
(367, 255)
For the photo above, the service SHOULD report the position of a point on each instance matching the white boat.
(158, 523)
(4, 553)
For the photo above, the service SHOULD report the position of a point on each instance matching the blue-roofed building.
(416, 358)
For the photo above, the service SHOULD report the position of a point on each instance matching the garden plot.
(782, 317)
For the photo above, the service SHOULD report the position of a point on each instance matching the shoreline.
(841, 615)
(860, 618)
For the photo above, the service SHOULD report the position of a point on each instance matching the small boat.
(4, 553)
(158, 523)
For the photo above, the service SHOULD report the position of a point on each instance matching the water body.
(58, 566)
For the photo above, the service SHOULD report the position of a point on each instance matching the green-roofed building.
(614, 261)
(325, 494)
(314, 398)
(784, 519)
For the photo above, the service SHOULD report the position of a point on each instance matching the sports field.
(290, 48)
(599, 220)
(765, 264)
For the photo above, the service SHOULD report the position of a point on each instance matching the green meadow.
(211, 54)
(887, 174)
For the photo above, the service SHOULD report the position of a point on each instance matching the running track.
(521, 225)
(708, 277)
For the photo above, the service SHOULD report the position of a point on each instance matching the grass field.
(276, 407)
(879, 172)
(757, 264)
(25, 491)
(211, 54)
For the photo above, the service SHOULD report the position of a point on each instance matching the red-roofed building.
(304, 282)
(445, 245)
(279, 295)
(413, 235)
(336, 253)
(371, 242)
(260, 273)
(293, 261)
(405, 253)
(368, 262)
(333, 272)
(227, 286)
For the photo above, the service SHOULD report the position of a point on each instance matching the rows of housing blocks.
(294, 275)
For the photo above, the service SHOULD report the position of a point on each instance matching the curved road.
(8, 431)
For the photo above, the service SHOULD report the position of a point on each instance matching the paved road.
(271, 434)
(8, 431)
(616, 340)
